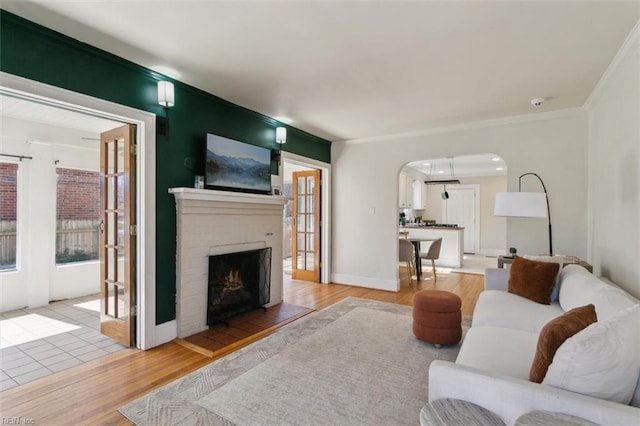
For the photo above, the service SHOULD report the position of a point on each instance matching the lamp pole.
(547, 197)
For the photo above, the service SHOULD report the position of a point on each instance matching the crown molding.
(631, 44)
(494, 122)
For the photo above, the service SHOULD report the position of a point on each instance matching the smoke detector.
(537, 102)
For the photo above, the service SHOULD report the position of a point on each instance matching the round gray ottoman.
(454, 412)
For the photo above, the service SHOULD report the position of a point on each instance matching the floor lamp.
(524, 204)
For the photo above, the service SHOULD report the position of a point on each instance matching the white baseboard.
(166, 332)
(358, 281)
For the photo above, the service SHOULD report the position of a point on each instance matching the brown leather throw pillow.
(532, 279)
(554, 333)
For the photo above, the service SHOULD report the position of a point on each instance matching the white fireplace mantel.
(225, 196)
(209, 223)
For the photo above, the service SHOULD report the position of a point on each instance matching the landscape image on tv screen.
(239, 166)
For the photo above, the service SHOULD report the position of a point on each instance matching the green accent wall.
(32, 51)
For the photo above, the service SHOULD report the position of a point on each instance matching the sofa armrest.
(496, 279)
(510, 398)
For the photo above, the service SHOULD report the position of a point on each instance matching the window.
(8, 215)
(77, 215)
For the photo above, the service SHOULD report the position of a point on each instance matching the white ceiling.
(352, 70)
(46, 114)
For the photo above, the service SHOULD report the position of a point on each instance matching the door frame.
(476, 188)
(147, 334)
(325, 211)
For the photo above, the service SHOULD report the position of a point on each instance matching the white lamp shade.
(521, 204)
(281, 135)
(166, 95)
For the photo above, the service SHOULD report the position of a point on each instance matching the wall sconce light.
(281, 135)
(276, 156)
(166, 95)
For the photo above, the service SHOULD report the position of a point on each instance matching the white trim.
(630, 43)
(366, 282)
(184, 193)
(325, 168)
(495, 122)
(476, 190)
(166, 332)
(146, 181)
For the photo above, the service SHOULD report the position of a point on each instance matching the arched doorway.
(458, 191)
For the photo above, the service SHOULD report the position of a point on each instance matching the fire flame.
(234, 280)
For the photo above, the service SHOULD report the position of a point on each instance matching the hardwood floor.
(92, 393)
(319, 296)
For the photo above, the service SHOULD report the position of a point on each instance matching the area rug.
(354, 363)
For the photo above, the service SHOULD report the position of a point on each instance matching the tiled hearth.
(210, 223)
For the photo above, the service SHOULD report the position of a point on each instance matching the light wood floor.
(92, 393)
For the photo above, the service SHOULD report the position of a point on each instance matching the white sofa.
(492, 368)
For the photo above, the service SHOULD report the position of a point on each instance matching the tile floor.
(37, 342)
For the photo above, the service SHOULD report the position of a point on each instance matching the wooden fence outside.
(73, 237)
(7, 243)
(77, 237)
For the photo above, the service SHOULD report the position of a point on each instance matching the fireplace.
(238, 282)
(212, 223)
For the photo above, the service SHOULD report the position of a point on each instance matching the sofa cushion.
(532, 279)
(555, 293)
(499, 350)
(601, 360)
(501, 309)
(579, 288)
(610, 300)
(554, 334)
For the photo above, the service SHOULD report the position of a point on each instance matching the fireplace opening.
(238, 282)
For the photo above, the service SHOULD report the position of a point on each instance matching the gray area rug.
(354, 363)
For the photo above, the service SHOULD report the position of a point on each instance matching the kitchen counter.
(452, 249)
(417, 226)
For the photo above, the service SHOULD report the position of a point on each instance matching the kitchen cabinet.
(412, 193)
(405, 191)
(451, 251)
(419, 195)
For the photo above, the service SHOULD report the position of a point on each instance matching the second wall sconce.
(281, 135)
(166, 94)
(166, 98)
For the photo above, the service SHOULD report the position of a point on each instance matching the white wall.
(366, 182)
(493, 230)
(614, 169)
(38, 280)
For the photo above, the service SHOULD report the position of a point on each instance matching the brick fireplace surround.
(210, 223)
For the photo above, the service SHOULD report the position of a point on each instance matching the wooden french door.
(118, 233)
(305, 243)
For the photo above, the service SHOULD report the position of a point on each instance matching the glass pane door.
(306, 214)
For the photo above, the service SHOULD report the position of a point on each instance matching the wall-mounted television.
(237, 166)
